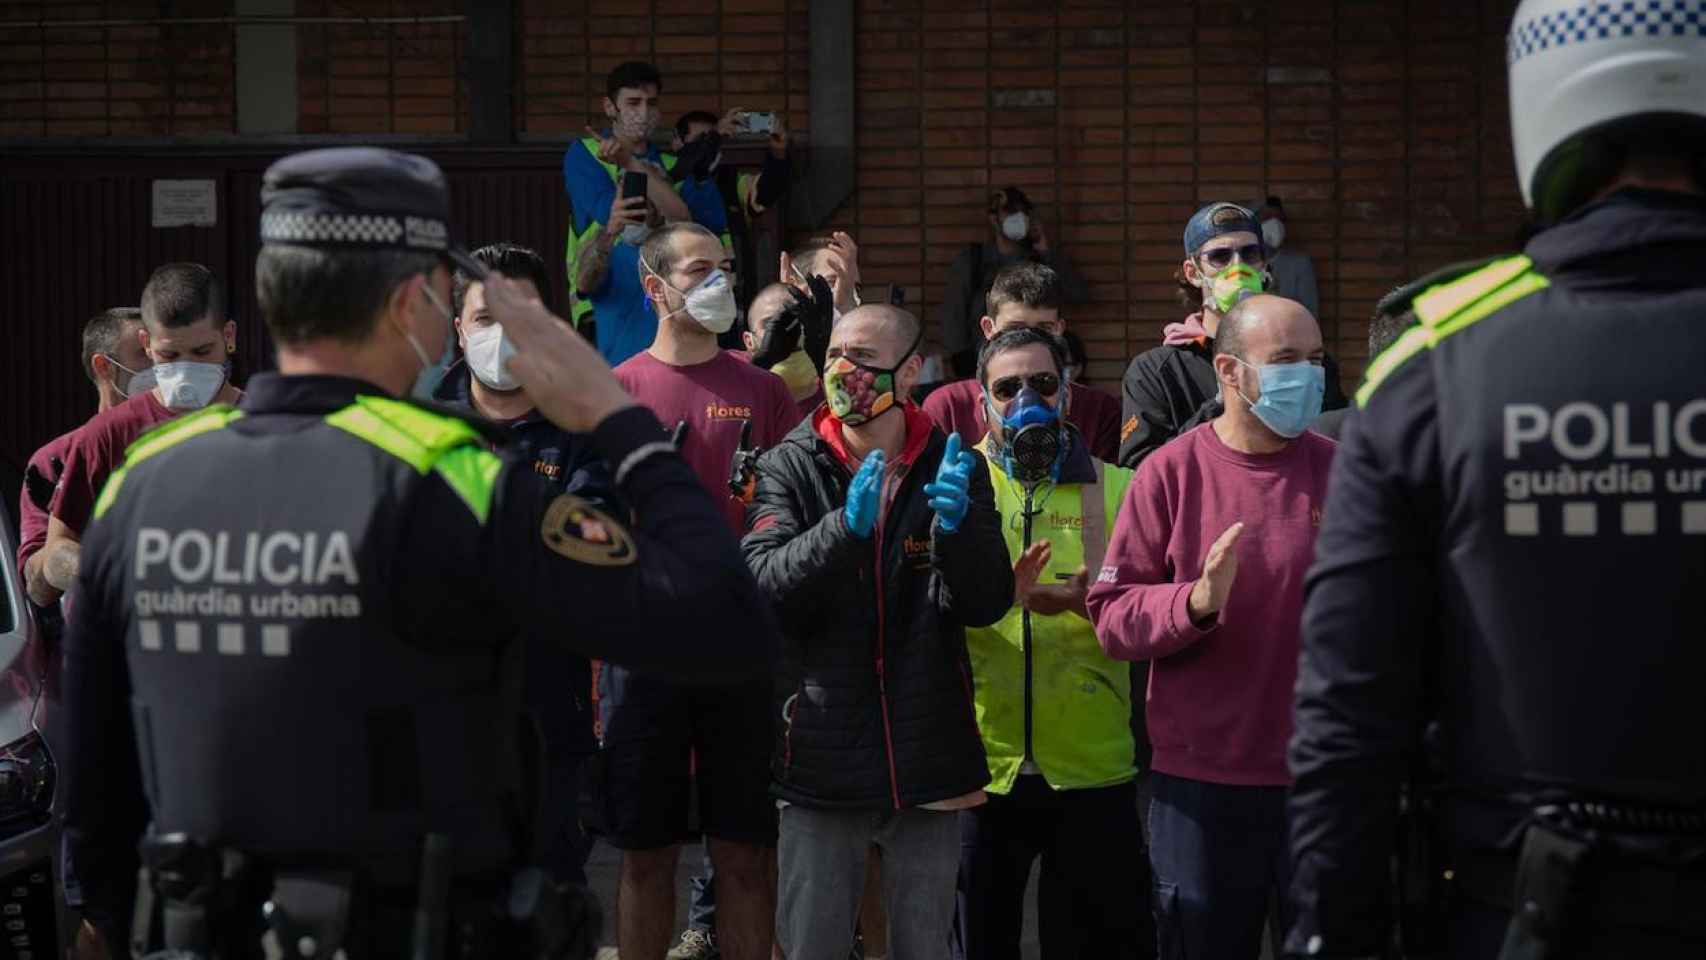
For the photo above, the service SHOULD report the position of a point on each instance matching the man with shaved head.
(1204, 579)
(795, 368)
(877, 541)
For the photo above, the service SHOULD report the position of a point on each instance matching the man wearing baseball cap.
(299, 613)
(1165, 388)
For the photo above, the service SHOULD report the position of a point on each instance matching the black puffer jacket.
(874, 683)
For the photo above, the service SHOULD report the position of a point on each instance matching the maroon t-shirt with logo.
(958, 407)
(714, 397)
(97, 449)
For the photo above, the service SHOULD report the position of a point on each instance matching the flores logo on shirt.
(717, 410)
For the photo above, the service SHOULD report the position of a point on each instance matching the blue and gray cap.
(361, 197)
(1201, 228)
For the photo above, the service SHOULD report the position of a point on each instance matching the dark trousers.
(1221, 859)
(1093, 892)
(702, 900)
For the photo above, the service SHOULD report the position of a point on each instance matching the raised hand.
(743, 466)
(623, 211)
(1028, 568)
(948, 493)
(1051, 598)
(781, 338)
(864, 494)
(1220, 569)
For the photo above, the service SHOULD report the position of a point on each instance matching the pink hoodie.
(1191, 331)
(1219, 698)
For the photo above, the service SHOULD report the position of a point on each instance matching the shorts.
(666, 745)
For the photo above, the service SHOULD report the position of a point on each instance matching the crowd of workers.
(393, 634)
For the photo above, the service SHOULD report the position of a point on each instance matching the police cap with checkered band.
(361, 198)
(1590, 77)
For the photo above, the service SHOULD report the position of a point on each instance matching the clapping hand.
(864, 494)
(948, 494)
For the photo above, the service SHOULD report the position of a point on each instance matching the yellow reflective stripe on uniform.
(580, 306)
(1413, 341)
(1453, 307)
(473, 474)
(1521, 287)
(427, 442)
(1092, 506)
(168, 434)
(1445, 300)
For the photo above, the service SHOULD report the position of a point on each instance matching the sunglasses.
(1006, 388)
(1219, 257)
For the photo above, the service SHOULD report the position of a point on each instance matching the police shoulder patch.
(581, 532)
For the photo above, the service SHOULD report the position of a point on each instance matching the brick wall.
(1382, 124)
(715, 56)
(381, 78)
(120, 81)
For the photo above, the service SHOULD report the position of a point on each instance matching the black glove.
(817, 316)
(698, 158)
(743, 468)
(781, 338)
(40, 488)
(773, 179)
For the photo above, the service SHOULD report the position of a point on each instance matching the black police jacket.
(1514, 542)
(874, 687)
(303, 605)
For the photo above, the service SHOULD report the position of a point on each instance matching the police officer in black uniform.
(1513, 555)
(289, 645)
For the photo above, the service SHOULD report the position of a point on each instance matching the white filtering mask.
(489, 351)
(1016, 227)
(187, 384)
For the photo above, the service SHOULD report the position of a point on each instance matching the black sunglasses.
(1006, 388)
(1221, 256)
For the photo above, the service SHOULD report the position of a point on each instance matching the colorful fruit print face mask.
(858, 393)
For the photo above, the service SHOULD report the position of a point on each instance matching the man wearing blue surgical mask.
(186, 335)
(1204, 579)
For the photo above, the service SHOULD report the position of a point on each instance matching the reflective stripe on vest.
(579, 306)
(166, 435)
(1451, 308)
(1081, 732)
(428, 442)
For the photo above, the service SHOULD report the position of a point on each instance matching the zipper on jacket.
(1025, 636)
(882, 619)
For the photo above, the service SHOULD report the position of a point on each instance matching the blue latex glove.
(948, 495)
(863, 494)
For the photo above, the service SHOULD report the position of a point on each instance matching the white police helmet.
(1582, 67)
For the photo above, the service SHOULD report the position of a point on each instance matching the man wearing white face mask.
(661, 738)
(185, 334)
(557, 686)
(1293, 273)
(114, 361)
(1016, 233)
(595, 169)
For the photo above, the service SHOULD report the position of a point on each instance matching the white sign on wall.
(186, 203)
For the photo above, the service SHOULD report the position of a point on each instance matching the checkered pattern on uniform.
(1607, 19)
(331, 228)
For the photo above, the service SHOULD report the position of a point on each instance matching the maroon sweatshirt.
(1219, 703)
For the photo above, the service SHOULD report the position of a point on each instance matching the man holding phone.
(621, 186)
